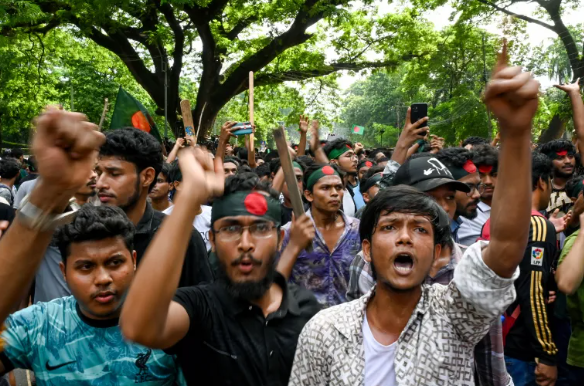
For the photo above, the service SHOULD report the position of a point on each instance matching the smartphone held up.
(242, 128)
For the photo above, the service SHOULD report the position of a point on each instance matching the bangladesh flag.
(358, 130)
(130, 112)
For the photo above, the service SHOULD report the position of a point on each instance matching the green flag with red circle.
(129, 112)
(360, 130)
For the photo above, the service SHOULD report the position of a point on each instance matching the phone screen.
(419, 111)
(189, 131)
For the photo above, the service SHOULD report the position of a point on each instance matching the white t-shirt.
(379, 360)
(202, 222)
(348, 204)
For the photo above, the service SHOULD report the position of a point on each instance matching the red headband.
(562, 153)
(469, 167)
(485, 169)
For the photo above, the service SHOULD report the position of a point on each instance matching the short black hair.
(95, 223)
(370, 173)
(541, 167)
(271, 155)
(316, 166)
(274, 165)
(405, 199)
(234, 160)
(338, 143)
(248, 181)
(15, 153)
(454, 157)
(486, 155)
(550, 148)
(474, 141)
(134, 146)
(305, 160)
(32, 164)
(174, 174)
(571, 184)
(165, 171)
(244, 169)
(263, 170)
(9, 168)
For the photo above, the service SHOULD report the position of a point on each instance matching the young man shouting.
(405, 333)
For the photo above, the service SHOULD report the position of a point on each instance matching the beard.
(559, 173)
(249, 290)
(133, 198)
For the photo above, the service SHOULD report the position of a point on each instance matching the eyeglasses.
(480, 188)
(233, 232)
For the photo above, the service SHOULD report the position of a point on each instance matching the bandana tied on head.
(371, 181)
(249, 203)
(576, 189)
(297, 165)
(487, 169)
(465, 170)
(320, 173)
(336, 153)
(561, 154)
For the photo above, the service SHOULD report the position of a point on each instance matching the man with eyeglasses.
(459, 163)
(243, 328)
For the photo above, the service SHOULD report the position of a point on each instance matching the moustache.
(238, 261)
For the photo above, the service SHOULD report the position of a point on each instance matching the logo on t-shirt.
(537, 256)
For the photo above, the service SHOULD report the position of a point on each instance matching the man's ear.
(134, 259)
(437, 250)
(541, 184)
(212, 240)
(148, 175)
(177, 186)
(308, 196)
(366, 247)
(63, 268)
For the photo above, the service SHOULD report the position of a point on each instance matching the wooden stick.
(187, 116)
(105, 106)
(289, 176)
(251, 136)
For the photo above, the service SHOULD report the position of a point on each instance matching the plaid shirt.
(490, 369)
(326, 272)
(435, 347)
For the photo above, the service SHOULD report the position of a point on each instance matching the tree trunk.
(208, 119)
(554, 130)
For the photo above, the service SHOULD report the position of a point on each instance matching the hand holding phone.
(242, 128)
(419, 111)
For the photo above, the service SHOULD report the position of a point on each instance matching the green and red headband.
(246, 203)
(297, 165)
(325, 171)
(336, 153)
(464, 170)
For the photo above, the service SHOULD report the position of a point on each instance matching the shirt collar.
(236, 305)
(145, 223)
(455, 224)
(483, 207)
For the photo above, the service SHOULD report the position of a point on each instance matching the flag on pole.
(130, 112)
(358, 130)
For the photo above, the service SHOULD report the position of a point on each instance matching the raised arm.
(65, 146)
(177, 145)
(224, 139)
(319, 155)
(409, 135)
(303, 125)
(573, 91)
(512, 96)
(149, 316)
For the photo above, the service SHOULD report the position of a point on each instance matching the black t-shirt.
(6, 213)
(230, 342)
(196, 267)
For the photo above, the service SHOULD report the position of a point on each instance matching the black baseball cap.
(425, 174)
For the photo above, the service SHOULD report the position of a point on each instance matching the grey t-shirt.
(24, 189)
(49, 281)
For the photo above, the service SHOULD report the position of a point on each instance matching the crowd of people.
(419, 265)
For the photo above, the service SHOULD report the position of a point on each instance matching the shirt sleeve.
(19, 338)
(196, 267)
(360, 279)
(477, 295)
(311, 360)
(6, 194)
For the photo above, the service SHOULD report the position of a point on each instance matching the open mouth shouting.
(403, 264)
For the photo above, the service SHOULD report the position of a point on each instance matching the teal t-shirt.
(63, 347)
(576, 313)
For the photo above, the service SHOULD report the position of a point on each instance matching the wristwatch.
(36, 219)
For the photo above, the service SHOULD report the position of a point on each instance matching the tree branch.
(522, 17)
(263, 79)
(235, 31)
